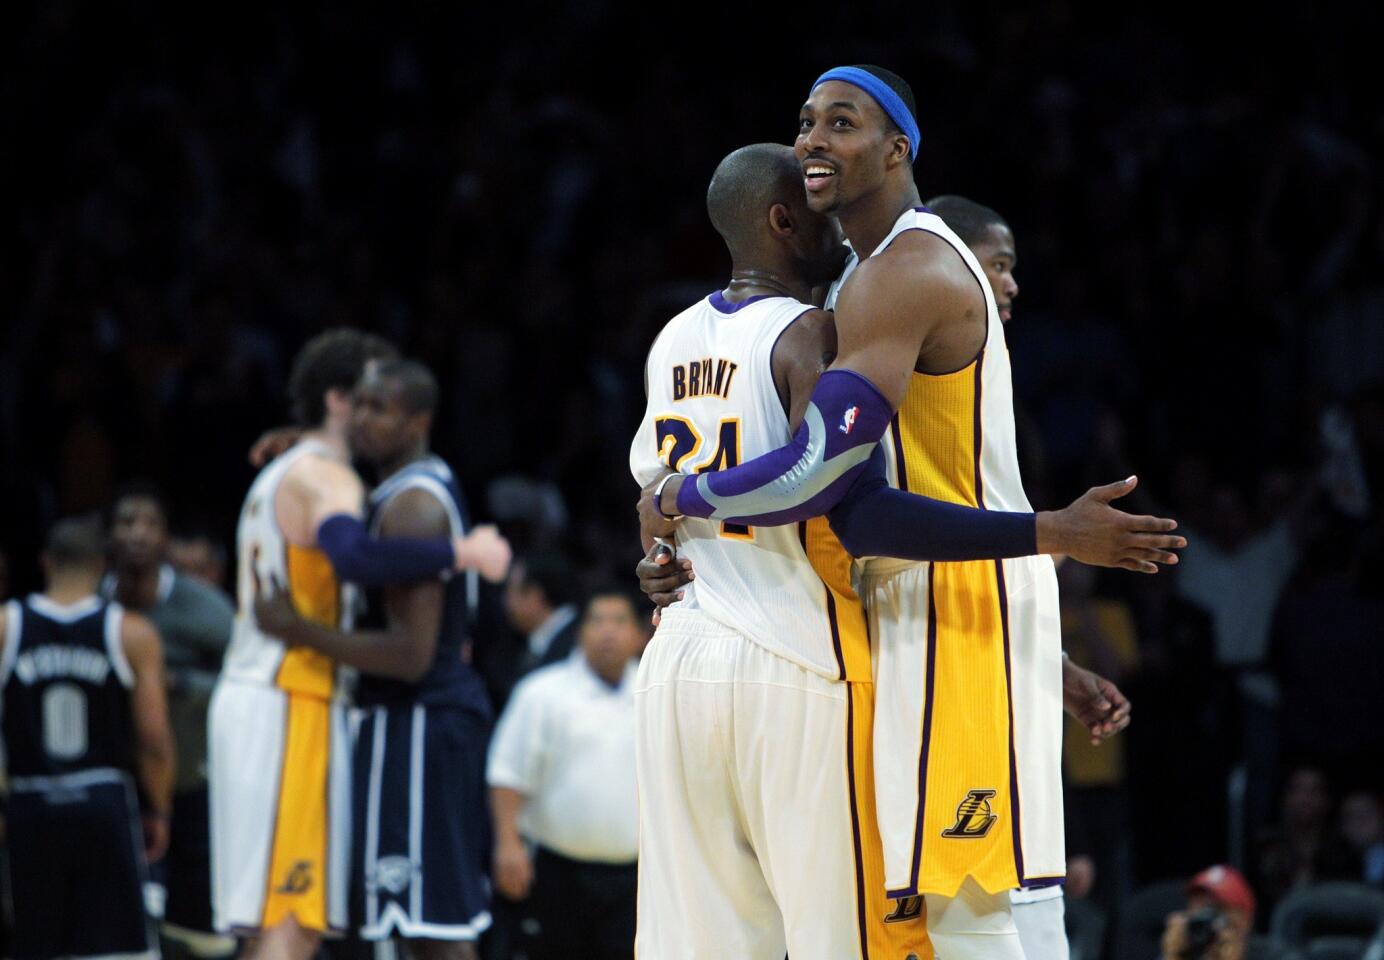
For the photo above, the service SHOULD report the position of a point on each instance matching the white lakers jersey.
(265, 555)
(968, 659)
(712, 405)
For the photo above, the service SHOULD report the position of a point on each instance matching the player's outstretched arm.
(330, 500)
(875, 520)
(883, 315)
(154, 753)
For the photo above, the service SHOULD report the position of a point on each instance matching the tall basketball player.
(772, 624)
(277, 739)
(421, 837)
(85, 726)
(969, 803)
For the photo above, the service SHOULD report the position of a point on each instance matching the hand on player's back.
(275, 613)
(1094, 532)
(485, 551)
(273, 442)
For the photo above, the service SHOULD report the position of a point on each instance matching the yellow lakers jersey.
(265, 556)
(968, 655)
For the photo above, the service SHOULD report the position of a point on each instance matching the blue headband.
(890, 102)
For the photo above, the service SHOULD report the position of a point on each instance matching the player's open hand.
(272, 443)
(1094, 532)
(485, 551)
(653, 524)
(1096, 702)
(662, 575)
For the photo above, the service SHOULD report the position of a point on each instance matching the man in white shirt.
(561, 777)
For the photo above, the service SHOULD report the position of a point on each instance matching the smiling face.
(846, 145)
(997, 256)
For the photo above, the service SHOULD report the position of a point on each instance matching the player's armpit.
(891, 305)
(802, 354)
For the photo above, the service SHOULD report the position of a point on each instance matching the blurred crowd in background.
(1200, 227)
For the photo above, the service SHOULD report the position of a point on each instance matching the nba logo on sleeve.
(973, 817)
(848, 421)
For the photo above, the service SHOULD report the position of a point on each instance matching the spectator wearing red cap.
(1217, 921)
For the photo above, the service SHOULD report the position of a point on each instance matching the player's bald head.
(745, 185)
(969, 220)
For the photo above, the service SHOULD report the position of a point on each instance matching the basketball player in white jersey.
(960, 649)
(278, 752)
(742, 715)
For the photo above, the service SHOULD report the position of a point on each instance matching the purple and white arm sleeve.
(845, 418)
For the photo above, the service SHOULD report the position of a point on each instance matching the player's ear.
(898, 151)
(338, 401)
(781, 221)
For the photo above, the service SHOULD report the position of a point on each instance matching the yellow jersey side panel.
(316, 595)
(935, 436)
(832, 564)
(889, 928)
(968, 817)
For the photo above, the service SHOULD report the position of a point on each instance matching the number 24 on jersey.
(679, 443)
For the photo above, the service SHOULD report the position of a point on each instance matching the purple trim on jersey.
(1040, 883)
(831, 606)
(912, 889)
(1014, 812)
(922, 209)
(901, 465)
(979, 429)
(861, 911)
(720, 303)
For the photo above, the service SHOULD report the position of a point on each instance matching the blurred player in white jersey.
(278, 750)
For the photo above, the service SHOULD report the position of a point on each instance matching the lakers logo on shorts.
(973, 817)
(299, 879)
(906, 908)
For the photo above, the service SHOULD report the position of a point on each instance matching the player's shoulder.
(315, 470)
(808, 338)
(916, 264)
(415, 510)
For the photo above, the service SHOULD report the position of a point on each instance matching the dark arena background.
(193, 192)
